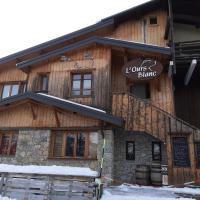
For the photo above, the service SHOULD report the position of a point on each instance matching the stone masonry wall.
(33, 149)
(124, 170)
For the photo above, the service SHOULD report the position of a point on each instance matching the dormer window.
(153, 20)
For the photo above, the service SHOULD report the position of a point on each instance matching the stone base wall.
(124, 170)
(33, 149)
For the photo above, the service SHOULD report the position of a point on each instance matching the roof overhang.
(94, 40)
(64, 105)
(21, 55)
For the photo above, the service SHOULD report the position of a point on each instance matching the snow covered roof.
(64, 105)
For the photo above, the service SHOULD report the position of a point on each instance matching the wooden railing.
(141, 115)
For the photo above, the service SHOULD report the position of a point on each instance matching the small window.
(80, 145)
(82, 84)
(44, 82)
(153, 20)
(197, 147)
(156, 151)
(8, 143)
(140, 90)
(130, 150)
(13, 89)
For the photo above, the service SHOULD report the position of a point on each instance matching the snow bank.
(134, 192)
(5, 198)
(52, 170)
(184, 190)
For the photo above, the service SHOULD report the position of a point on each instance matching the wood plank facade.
(90, 74)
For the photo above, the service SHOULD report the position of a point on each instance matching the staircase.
(142, 116)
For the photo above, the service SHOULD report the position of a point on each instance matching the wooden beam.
(167, 29)
(33, 111)
(56, 117)
(190, 71)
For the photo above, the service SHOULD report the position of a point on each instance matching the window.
(130, 150)
(197, 147)
(44, 82)
(80, 145)
(8, 143)
(140, 90)
(153, 20)
(13, 89)
(156, 151)
(180, 152)
(82, 84)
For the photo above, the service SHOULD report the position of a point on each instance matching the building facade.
(106, 91)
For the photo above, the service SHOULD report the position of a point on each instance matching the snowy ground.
(49, 170)
(130, 192)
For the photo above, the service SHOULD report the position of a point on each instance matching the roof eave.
(63, 105)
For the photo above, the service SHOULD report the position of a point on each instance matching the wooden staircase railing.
(141, 115)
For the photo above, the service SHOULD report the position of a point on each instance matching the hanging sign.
(142, 69)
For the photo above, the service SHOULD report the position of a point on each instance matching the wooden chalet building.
(126, 89)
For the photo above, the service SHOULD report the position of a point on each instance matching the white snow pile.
(131, 192)
(51, 170)
(72, 102)
(5, 198)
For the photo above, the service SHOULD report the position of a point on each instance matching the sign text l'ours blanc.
(142, 69)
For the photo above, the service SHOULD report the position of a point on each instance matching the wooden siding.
(40, 116)
(161, 89)
(132, 30)
(60, 75)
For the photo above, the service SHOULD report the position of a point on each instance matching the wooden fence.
(47, 187)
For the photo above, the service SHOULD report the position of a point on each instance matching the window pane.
(88, 76)
(140, 90)
(70, 145)
(6, 91)
(76, 92)
(58, 144)
(45, 82)
(76, 85)
(80, 145)
(13, 145)
(93, 141)
(156, 151)
(130, 150)
(87, 84)
(4, 145)
(76, 77)
(86, 92)
(15, 90)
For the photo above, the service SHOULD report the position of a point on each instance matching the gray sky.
(25, 23)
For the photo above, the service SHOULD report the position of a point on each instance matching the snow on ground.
(5, 198)
(131, 192)
(53, 170)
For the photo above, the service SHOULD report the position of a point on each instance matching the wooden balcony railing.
(141, 115)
